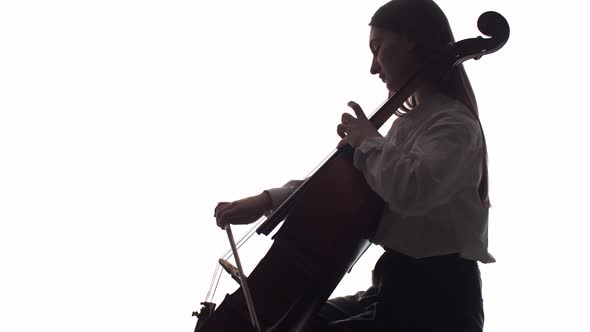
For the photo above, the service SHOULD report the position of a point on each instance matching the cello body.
(301, 269)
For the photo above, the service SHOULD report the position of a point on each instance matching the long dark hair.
(424, 22)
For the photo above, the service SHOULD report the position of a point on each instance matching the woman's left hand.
(355, 131)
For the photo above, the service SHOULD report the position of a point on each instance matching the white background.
(123, 123)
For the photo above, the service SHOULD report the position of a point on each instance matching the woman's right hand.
(243, 211)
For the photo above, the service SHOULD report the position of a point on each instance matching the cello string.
(228, 254)
(249, 234)
(214, 281)
(217, 283)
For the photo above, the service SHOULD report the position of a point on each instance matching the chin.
(390, 88)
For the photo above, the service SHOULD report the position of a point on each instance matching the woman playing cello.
(431, 172)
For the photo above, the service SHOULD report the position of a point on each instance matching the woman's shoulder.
(448, 103)
(448, 108)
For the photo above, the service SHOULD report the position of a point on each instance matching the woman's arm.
(444, 158)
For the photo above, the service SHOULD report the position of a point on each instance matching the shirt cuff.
(278, 195)
(367, 147)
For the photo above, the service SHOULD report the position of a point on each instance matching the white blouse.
(427, 169)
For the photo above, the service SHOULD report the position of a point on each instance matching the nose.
(374, 67)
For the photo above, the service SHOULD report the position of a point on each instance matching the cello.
(308, 258)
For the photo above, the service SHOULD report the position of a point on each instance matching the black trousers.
(434, 294)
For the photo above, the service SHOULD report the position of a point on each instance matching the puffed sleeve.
(444, 158)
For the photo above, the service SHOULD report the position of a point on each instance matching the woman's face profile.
(393, 59)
